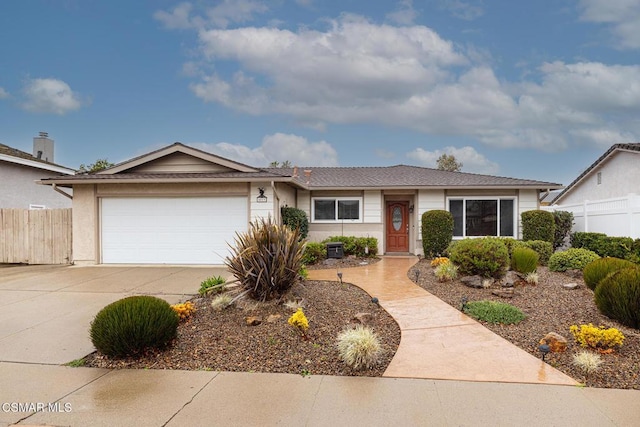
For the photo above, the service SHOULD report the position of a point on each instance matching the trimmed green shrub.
(597, 270)
(581, 239)
(618, 296)
(538, 225)
(564, 223)
(524, 260)
(295, 218)
(486, 257)
(437, 232)
(266, 259)
(511, 244)
(494, 312)
(314, 252)
(132, 325)
(571, 259)
(357, 246)
(543, 248)
(449, 249)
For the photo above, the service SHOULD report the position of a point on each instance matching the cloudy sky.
(535, 89)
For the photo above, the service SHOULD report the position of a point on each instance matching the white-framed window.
(483, 216)
(336, 209)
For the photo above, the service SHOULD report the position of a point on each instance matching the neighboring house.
(19, 172)
(180, 205)
(615, 174)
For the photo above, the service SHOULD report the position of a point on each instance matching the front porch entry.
(397, 226)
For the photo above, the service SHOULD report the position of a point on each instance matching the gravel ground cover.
(222, 340)
(549, 308)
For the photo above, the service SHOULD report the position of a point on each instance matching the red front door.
(397, 227)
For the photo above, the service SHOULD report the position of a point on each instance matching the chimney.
(307, 174)
(295, 171)
(43, 147)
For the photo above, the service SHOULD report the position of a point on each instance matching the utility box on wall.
(335, 250)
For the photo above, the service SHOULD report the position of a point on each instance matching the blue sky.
(534, 89)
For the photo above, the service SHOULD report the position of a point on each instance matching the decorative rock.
(504, 293)
(363, 318)
(330, 261)
(273, 318)
(556, 342)
(253, 321)
(472, 281)
(570, 285)
(509, 279)
(576, 274)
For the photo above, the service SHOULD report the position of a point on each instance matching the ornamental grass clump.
(222, 301)
(618, 296)
(597, 338)
(446, 272)
(597, 270)
(267, 259)
(587, 361)
(494, 312)
(524, 260)
(359, 347)
(132, 325)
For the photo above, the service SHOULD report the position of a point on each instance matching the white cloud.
(467, 10)
(405, 14)
(277, 147)
(3, 93)
(622, 15)
(50, 96)
(472, 161)
(226, 12)
(357, 71)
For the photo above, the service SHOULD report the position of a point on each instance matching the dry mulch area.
(342, 263)
(222, 340)
(549, 308)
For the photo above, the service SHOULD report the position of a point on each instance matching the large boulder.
(472, 281)
(556, 342)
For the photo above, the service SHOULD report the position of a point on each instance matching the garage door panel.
(170, 230)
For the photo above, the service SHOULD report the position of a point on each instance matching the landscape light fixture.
(544, 349)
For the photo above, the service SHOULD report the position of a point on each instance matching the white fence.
(614, 217)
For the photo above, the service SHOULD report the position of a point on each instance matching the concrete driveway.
(45, 311)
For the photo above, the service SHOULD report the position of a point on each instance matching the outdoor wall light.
(411, 209)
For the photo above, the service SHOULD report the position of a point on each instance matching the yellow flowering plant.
(299, 321)
(436, 262)
(184, 310)
(597, 338)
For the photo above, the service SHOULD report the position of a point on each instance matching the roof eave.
(123, 180)
(38, 165)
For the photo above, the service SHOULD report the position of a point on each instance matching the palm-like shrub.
(524, 260)
(437, 232)
(486, 257)
(597, 270)
(618, 296)
(266, 260)
(131, 325)
(571, 259)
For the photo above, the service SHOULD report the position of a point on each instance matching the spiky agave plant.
(267, 259)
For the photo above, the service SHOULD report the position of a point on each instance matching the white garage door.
(176, 230)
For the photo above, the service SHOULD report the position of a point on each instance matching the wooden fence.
(35, 236)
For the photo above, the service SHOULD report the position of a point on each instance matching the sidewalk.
(98, 397)
(438, 341)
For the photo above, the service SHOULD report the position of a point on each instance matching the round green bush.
(437, 232)
(295, 218)
(542, 247)
(571, 259)
(494, 312)
(314, 252)
(486, 257)
(618, 296)
(597, 270)
(538, 225)
(524, 260)
(131, 325)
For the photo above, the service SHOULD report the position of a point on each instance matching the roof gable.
(612, 151)
(177, 158)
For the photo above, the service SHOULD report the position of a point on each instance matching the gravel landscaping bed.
(549, 308)
(222, 340)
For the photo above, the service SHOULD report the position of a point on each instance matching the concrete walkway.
(438, 341)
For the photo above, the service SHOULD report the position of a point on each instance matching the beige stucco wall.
(19, 188)
(620, 176)
(85, 225)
